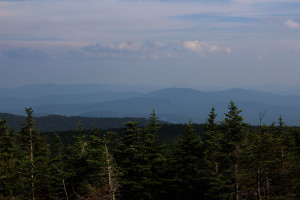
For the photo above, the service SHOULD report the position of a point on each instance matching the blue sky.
(203, 43)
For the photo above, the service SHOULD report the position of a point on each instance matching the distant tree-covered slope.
(53, 123)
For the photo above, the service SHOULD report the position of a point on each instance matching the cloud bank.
(292, 24)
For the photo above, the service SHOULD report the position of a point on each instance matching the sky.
(169, 43)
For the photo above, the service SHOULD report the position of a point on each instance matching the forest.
(229, 159)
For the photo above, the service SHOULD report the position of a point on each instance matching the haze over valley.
(175, 105)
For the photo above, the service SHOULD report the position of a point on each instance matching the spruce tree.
(101, 181)
(34, 158)
(60, 172)
(234, 134)
(141, 160)
(129, 156)
(154, 156)
(287, 169)
(76, 156)
(212, 157)
(8, 163)
(187, 166)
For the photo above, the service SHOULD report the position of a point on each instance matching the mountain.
(42, 90)
(14, 100)
(82, 98)
(176, 105)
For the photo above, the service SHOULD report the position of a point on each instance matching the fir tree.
(8, 163)
(76, 156)
(282, 180)
(129, 156)
(154, 156)
(186, 166)
(59, 170)
(34, 158)
(212, 157)
(234, 134)
(102, 182)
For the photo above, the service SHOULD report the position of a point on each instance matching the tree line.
(232, 160)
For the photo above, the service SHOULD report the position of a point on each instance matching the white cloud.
(159, 43)
(212, 48)
(169, 55)
(200, 47)
(193, 46)
(292, 24)
(228, 49)
(121, 47)
(126, 46)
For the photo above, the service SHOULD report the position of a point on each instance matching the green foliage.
(130, 158)
(186, 165)
(212, 157)
(141, 159)
(59, 170)
(8, 162)
(34, 158)
(233, 129)
(233, 161)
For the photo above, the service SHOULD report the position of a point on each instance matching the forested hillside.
(57, 123)
(218, 160)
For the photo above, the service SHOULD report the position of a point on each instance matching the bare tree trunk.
(236, 172)
(65, 189)
(216, 167)
(31, 163)
(257, 182)
(63, 181)
(282, 156)
(258, 191)
(268, 187)
(113, 184)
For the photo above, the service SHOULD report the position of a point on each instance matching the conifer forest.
(226, 159)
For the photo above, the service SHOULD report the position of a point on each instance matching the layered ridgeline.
(176, 105)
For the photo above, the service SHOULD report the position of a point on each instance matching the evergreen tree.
(34, 158)
(8, 162)
(102, 182)
(133, 155)
(270, 162)
(129, 157)
(212, 157)
(91, 168)
(60, 172)
(76, 156)
(234, 134)
(154, 157)
(286, 168)
(259, 158)
(186, 166)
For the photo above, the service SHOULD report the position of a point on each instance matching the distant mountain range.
(176, 105)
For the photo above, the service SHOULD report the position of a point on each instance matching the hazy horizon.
(145, 88)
